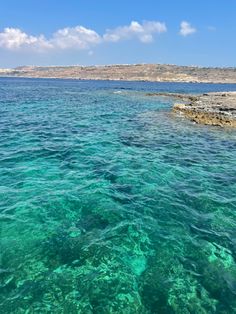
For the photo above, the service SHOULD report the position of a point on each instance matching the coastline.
(136, 73)
(216, 108)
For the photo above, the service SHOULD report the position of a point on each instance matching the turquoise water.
(111, 204)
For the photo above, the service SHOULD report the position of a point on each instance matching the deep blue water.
(109, 203)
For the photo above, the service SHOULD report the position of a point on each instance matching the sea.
(110, 203)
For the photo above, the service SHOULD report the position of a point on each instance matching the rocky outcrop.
(211, 108)
(175, 96)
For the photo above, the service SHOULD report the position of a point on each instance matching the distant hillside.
(137, 72)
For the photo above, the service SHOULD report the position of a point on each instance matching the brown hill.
(137, 72)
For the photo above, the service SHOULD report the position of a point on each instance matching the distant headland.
(135, 72)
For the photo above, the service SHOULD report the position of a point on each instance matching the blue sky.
(65, 32)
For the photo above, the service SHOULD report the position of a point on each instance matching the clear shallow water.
(110, 204)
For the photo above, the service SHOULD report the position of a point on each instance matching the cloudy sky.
(54, 32)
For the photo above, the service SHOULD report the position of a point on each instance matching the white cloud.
(186, 29)
(15, 39)
(78, 37)
(143, 32)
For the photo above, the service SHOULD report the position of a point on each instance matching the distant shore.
(136, 72)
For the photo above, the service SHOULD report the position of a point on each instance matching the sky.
(76, 32)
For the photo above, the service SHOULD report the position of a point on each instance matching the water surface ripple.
(110, 204)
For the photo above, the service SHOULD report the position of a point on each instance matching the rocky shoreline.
(217, 109)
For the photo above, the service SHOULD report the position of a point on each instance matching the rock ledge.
(211, 108)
